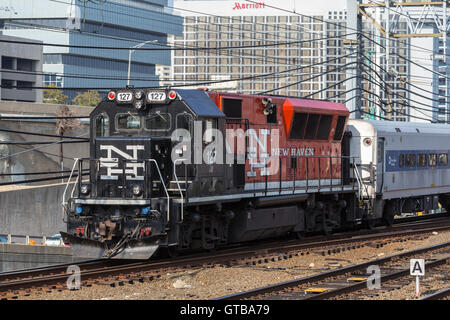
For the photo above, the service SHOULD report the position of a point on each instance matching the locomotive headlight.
(85, 189)
(139, 95)
(137, 190)
(139, 104)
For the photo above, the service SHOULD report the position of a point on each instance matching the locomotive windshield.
(158, 121)
(128, 121)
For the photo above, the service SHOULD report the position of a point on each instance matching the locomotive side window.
(101, 123)
(411, 160)
(208, 127)
(158, 121)
(232, 108)
(311, 127)
(184, 121)
(443, 159)
(432, 159)
(401, 160)
(324, 127)
(272, 117)
(298, 126)
(128, 121)
(339, 128)
(422, 160)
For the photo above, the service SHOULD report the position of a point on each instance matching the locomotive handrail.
(164, 185)
(178, 184)
(265, 188)
(67, 186)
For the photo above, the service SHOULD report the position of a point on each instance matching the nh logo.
(112, 164)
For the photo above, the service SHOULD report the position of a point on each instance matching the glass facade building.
(113, 23)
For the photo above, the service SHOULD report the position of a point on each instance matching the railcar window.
(101, 123)
(410, 160)
(158, 121)
(324, 127)
(422, 160)
(443, 159)
(311, 127)
(298, 126)
(432, 159)
(380, 150)
(128, 121)
(339, 128)
(401, 160)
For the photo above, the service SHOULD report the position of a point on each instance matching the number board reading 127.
(125, 97)
(156, 96)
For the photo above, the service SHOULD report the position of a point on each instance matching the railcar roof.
(200, 103)
(318, 104)
(296, 102)
(406, 127)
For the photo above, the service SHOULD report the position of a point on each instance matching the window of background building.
(52, 79)
(24, 65)
(7, 84)
(7, 63)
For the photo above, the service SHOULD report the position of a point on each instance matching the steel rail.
(444, 293)
(383, 278)
(330, 274)
(59, 268)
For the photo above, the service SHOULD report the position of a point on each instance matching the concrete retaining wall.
(32, 211)
(44, 157)
(18, 257)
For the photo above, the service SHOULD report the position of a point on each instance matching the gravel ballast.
(211, 282)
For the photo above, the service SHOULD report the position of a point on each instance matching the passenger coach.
(404, 165)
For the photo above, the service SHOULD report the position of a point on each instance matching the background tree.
(54, 96)
(89, 98)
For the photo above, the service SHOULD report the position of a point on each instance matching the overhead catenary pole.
(413, 19)
(353, 74)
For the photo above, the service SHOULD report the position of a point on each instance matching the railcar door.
(379, 169)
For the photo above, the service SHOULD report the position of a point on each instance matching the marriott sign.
(239, 6)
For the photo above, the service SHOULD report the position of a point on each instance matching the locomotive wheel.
(169, 252)
(172, 252)
(371, 223)
(300, 235)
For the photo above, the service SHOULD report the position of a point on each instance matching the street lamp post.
(140, 45)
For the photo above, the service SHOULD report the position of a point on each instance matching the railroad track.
(350, 279)
(118, 272)
(438, 295)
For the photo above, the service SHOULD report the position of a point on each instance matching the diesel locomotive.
(185, 169)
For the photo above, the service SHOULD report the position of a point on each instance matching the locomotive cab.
(141, 165)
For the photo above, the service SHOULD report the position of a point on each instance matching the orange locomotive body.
(287, 139)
